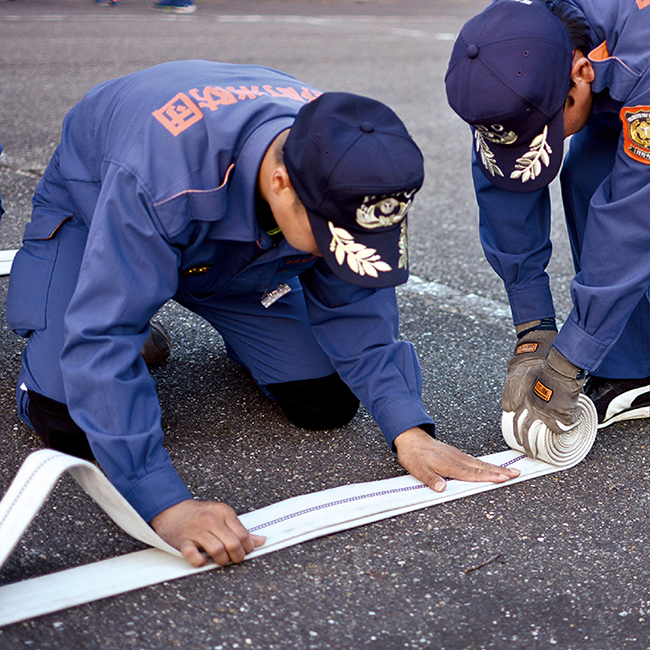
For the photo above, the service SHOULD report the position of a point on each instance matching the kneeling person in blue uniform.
(526, 74)
(275, 212)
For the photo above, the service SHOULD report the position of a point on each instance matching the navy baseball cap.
(356, 170)
(508, 77)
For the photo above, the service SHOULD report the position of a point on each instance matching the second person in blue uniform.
(526, 74)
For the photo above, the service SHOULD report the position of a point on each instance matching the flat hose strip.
(284, 524)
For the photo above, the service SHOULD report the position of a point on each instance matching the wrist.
(558, 362)
(535, 325)
(411, 434)
(532, 344)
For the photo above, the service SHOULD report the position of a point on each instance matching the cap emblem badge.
(497, 133)
(382, 211)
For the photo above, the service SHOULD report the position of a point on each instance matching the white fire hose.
(284, 524)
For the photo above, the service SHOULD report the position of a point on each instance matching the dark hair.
(279, 160)
(576, 26)
(279, 147)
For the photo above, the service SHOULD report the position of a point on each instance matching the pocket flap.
(44, 225)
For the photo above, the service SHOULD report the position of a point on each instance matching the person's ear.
(581, 69)
(280, 181)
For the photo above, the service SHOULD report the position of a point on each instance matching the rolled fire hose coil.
(563, 450)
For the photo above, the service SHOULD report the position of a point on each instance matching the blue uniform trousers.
(276, 344)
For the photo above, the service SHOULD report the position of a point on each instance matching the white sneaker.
(617, 400)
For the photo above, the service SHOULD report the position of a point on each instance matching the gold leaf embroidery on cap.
(360, 258)
(403, 261)
(487, 157)
(529, 166)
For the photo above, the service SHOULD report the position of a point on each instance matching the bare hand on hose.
(192, 526)
(432, 461)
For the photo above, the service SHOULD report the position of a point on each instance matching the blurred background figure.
(175, 6)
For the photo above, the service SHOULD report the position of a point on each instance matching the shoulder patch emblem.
(636, 132)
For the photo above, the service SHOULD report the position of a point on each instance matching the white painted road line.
(6, 260)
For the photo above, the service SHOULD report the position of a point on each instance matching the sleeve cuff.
(403, 414)
(157, 492)
(531, 304)
(580, 348)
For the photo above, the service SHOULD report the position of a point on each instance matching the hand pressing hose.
(555, 422)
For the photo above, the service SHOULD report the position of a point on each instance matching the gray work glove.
(524, 366)
(553, 398)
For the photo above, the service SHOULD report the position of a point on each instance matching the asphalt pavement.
(557, 562)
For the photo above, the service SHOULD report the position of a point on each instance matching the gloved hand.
(525, 364)
(553, 398)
